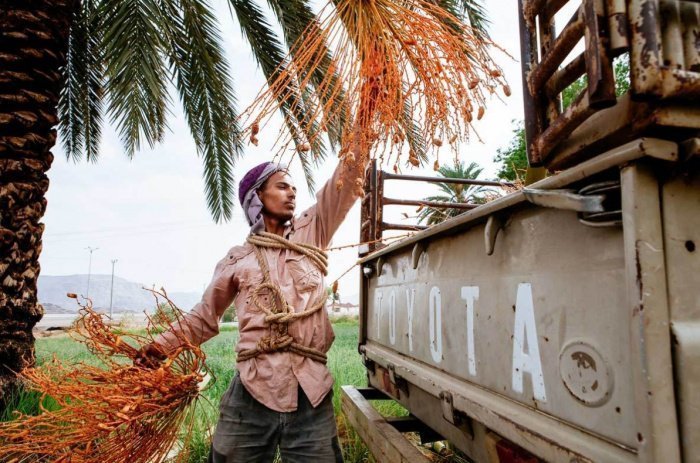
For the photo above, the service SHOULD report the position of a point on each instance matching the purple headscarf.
(247, 193)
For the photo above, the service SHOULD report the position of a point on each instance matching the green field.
(343, 361)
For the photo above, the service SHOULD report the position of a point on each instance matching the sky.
(149, 213)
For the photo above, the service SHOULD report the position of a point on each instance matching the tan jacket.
(272, 378)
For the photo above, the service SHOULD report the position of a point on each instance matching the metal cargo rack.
(373, 226)
(660, 40)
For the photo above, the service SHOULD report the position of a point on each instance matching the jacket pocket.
(250, 279)
(305, 274)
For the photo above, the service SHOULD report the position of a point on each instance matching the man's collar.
(289, 228)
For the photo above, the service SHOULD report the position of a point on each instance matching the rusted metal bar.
(672, 34)
(690, 18)
(578, 112)
(565, 76)
(645, 47)
(528, 61)
(417, 202)
(552, 7)
(601, 82)
(365, 212)
(547, 32)
(372, 236)
(462, 181)
(529, 9)
(569, 73)
(542, 8)
(566, 41)
(679, 84)
(398, 226)
(380, 207)
(616, 11)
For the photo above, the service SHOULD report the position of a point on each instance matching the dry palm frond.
(116, 412)
(399, 64)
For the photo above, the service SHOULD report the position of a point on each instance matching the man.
(282, 393)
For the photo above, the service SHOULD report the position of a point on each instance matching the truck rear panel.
(550, 327)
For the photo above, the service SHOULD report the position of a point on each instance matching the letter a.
(524, 331)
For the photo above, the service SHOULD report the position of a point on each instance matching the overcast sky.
(150, 212)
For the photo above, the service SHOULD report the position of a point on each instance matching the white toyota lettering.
(392, 317)
(525, 333)
(470, 294)
(435, 324)
(410, 299)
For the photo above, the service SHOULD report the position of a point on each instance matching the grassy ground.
(343, 361)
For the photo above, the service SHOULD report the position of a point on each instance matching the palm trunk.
(33, 44)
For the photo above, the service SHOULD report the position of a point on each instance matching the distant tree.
(453, 192)
(513, 158)
(229, 314)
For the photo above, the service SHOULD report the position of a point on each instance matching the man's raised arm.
(337, 196)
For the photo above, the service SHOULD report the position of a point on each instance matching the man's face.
(278, 196)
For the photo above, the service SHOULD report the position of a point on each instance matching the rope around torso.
(278, 314)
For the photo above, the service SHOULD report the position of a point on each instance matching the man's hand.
(150, 356)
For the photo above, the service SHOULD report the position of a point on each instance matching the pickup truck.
(560, 322)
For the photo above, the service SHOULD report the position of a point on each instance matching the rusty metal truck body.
(563, 319)
(561, 335)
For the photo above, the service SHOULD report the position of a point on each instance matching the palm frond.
(414, 137)
(136, 74)
(455, 9)
(475, 12)
(80, 102)
(201, 74)
(270, 54)
(454, 193)
(296, 18)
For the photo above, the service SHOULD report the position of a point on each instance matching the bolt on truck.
(560, 322)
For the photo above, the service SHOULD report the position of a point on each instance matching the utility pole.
(111, 289)
(91, 249)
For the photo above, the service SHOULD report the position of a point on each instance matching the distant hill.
(128, 295)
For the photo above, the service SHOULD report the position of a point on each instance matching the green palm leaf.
(454, 193)
(201, 75)
(123, 56)
(80, 102)
(475, 12)
(269, 53)
(297, 18)
(136, 75)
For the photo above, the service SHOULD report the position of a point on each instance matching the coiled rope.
(278, 313)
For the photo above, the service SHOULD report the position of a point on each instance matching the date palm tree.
(72, 63)
(454, 193)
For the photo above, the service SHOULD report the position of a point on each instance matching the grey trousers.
(249, 432)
